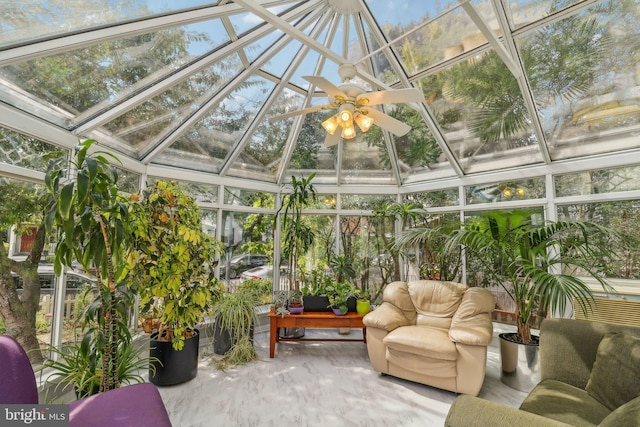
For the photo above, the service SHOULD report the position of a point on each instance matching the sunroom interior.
(477, 106)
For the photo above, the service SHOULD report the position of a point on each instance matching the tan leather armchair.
(432, 332)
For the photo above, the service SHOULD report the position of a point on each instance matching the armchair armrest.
(471, 324)
(469, 411)
(387, 316)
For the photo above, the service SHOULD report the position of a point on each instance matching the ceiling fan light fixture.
(331, 124)
(363, 121)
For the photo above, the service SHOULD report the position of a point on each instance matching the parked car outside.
(241, 263)
(262, 272)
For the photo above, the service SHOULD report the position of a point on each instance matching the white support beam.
(487, 32)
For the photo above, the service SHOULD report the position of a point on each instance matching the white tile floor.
(317, 384)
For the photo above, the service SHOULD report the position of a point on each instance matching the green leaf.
(83, 185)
(66, 201)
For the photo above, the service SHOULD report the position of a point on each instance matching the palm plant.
(533, 264)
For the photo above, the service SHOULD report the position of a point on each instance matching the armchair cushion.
(422, 341)
(551, 399)
(618, 357)
(627, 415)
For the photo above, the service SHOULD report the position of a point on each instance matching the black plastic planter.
(222, 340)
(174, 367)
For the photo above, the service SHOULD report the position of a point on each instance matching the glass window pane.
(583, 74)
(20, 150)
(526, 189)
(448, 197)
(623, 217)
(364, 201)
(480, 110)
(211, 140)
(248, 240)
(95, 77)
(243, 197)
(145, 125)
(27, 20)
(598, 181)
(202, 193)
(365, 243)
(522, 12)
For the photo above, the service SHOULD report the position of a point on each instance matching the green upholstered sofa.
(590, 376)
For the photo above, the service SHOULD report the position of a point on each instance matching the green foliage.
(339, 293)
(297, 235)
(262, 287)
(171, 260)
(430, 241)
(91, 221)
(43, 325)
(533, 263)
(418, 148)
(77, 367)
(236, 313)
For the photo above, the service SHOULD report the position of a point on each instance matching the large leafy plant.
(91, 220)
(172, 261)
(535, 264)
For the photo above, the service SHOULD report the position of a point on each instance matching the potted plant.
(77, 366)
(91, 220)
(234, 317)
(295, 304)
(172, 269)
(340, 296)
(363, 302)
(534, 264)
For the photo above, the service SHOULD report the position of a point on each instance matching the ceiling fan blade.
(392, 96)
(332, 140)
(299, 112)
(329, 88)
(386, 122)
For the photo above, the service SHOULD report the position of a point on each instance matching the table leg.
(364, 335)
(273, 334)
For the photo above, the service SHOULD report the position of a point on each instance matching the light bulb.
(345, 116)
(331, 124)
(363, 121)
(348, 131)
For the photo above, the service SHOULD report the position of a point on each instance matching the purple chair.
(136, 405)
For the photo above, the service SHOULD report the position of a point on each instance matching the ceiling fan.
(353, 102)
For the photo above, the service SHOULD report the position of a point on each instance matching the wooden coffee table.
(313, 320)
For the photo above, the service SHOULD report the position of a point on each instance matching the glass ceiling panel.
(479, 107)
(381, 67)
(523, 12)
(417, 151)
(243, 22)
(27, 20)
(156, 118)
(364, 164)
(76, 81)
(583, 73)
(258, 47)
(281, 60)
(310, 154)
(263, 154)
(306, 68)
(207, 144)
(446, 37)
